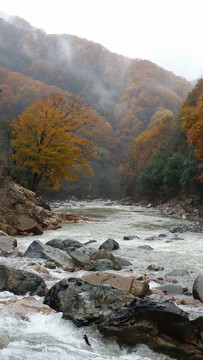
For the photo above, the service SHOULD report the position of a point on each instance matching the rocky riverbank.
(183, 209)
(22, 213)
(108, 296)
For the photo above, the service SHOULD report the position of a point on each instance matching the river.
(49, 336)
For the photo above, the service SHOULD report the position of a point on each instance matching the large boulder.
(126, 281)
(38, 250)
(25, 224)
(85, 303)
(120, 316)
(20, 281)
(162, 326)
(197, 289)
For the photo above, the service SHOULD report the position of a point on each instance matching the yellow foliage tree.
(50, 138)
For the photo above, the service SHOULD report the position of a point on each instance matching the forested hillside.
(130, 96)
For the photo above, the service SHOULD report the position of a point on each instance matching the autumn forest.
(76, 119)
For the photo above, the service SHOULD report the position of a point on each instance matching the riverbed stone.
(79, 258)
(26, 306)
(127, 281)
(5, 339)
(109, 245)
(102, 265)
(85, 303)
(131, 237)
(38, 250)
(197, 289)
(122, 261)
(144, 247)
(8, 245)
(20, 281)
(129, 320)
(162, 326)
(104, 254)
(171, 288)
(66, 245)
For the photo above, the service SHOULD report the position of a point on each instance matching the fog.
(167, 32)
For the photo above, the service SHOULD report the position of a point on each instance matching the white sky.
(167, 32)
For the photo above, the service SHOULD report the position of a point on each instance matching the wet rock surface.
(84, 303)
(20, 281)
(198, 287)
(127, 281)
(38, 250)
(161, 326)
(127, 314)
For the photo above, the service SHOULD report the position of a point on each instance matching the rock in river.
(20, 281)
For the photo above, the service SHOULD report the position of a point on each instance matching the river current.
(49, 337)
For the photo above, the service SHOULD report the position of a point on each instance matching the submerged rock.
(5, 339)
(131, 237)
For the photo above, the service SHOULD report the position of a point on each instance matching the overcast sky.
(167, 32)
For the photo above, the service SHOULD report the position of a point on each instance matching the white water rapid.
(49, 337)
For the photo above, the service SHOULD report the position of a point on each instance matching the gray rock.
(109, 245)
(85, 303)
(197, 289)
(130, 237)
(8, 245)
(38, 250)
(162, 326)
(178, 272)
(171, 288)
(155, 268)
(20, 281)
(176, 229)
(5, 339)
(89, 242)
(144, 247)
(66, 245)
(102, 265)
(79, 259)
(122, 261)
(104, 254)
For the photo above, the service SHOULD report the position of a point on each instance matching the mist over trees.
(142, 135)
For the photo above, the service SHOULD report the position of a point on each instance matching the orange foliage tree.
(50, 139)
(192, 119)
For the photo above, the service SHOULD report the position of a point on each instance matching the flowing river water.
(49, 337)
